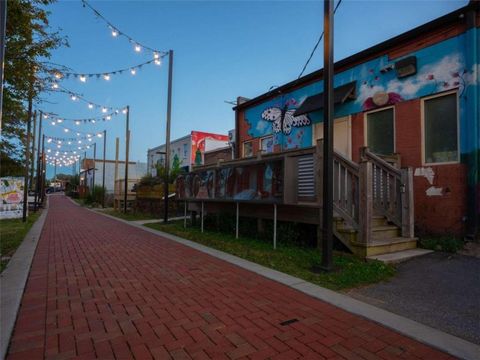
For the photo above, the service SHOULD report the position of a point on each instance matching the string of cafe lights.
(70, 140)
(62, 160)
(79, 97)
(70, 151)
(116, 32)
(57, 120)
(107, 76)
(67, 129)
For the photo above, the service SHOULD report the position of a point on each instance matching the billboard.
(11, 192)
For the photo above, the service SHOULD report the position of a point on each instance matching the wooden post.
(167, 135)
(237, 221)
(103, 170)
(408, 219)
(32, 154)
(127, 148)
(365, 199)
(115, 187)
(274, 226)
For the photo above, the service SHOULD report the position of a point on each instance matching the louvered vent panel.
(306, 176)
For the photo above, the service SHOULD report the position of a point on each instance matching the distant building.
(188, 150)
(136, 170)
(221, 154)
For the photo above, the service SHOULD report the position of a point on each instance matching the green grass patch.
(130, 216)
(447, 243)
(12, 233)
(294, 260)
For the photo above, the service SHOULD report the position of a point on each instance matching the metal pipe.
(237, 221)
(103, 171)
(274, 226)
(44, 171)
(3, 22)
(127, 145)
(202, 218)
(37, 182)
(327, 208)
(32, 154)
(185, 216)
(27, 160)
(94, 167)
(167, 135)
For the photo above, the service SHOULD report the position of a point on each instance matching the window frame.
(260, 144)
(365, 126)
(243, 148)
(422, 115)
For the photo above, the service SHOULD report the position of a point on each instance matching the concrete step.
(399, 256)
(385, 232)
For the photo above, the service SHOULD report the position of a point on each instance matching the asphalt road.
(439, 290)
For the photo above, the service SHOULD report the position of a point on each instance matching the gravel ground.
(439, 290)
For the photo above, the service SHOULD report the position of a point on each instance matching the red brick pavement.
(99, 288)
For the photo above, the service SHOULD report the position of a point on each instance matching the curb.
(440, 340)
(14, 278)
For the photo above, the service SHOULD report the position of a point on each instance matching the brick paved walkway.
(99, 288)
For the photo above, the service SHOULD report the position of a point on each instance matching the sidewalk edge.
(440, 340)
(14, 278)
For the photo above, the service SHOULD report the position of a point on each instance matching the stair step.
(379, 220)
(399, 256)
(385, 232)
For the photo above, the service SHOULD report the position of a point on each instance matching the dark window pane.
(441, 140)
(380, 132)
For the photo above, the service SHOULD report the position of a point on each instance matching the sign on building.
(11, 192)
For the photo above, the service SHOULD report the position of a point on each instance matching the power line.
(316, 45)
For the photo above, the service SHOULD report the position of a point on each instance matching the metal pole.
(94, 167)
(103, 171)
(167, 142)
(37, 182)
(185, 216)
(202, 218)
(237, 221)
(55, 173)
(274, 226)
(327, 208)
(127, 144)
(32, 155)
(44, 171)
(3, 22)
(27, 158)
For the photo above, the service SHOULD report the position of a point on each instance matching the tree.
(28, 72)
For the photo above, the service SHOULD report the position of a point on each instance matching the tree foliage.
(28, 71)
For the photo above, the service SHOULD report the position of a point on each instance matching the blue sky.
(223, 49)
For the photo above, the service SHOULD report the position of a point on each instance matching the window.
(247, 149)
(266, 144)
(380, 132)
(440, 129)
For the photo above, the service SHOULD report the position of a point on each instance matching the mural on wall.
(202, 142)
(11, 192)
(440, 67)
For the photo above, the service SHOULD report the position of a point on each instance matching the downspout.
(473, 134)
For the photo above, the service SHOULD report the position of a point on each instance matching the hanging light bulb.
(73, 97)
(45, 116)
(106, 77)
(59, 146)
(79, 141)
(104, 110)
(83, 78)
(69, 143)
(108, 117)
(53, 122)
(66, 130)
(49, 140)
(78, 134)
(93, 121)
(133, 71)
(58, 75)
(54, 86)
(77, 122)
(59, 141)
(114, 32)
(88, 146)
(158, 62)
(124, 111)
(99, 135)
(156, 55)
(89, 139)
(59, 120)
(90, 106)
(49, 150)
(138, 48)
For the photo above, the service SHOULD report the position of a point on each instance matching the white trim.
(365, 126)
(422, 115)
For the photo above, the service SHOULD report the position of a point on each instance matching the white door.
(342, 136)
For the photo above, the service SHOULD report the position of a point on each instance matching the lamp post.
(327, 208)
(94, 167)
(3, 18)
(32, 154)
(167, 142)
(37, 183)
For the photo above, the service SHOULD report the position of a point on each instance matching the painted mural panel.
(202, 142)
(11, 191)
(440, 67)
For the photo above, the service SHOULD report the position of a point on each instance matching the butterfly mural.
(283, 119)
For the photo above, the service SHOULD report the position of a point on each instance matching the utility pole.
(55, 174)
(3, 22)
(37, 182)
(32, 156)
(327, 207)
(94, 167)
(44, 170)
(27, 159)
(167, 142)
(127, 145)
(103, 171)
